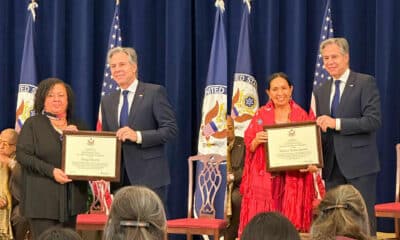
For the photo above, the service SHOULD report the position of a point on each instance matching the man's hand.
(325, 122)
(126, 133)
(60, 176)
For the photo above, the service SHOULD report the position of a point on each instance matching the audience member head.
(58, 233)
(270, 226)
(136, 213)
(8, 142)
(342, 212)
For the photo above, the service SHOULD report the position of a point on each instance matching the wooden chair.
(392, 209)
(96, 218)
(208, 182)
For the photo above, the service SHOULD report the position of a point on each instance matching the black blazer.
(39, 152)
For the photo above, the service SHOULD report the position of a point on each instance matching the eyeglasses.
(6, 144)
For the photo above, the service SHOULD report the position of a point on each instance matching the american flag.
(321, 75)
(100, 188)
(114, 40)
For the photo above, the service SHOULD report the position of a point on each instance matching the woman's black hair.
(275, 75)
(43, 90)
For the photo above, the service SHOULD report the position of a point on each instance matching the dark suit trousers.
(162, 191)
(365, 184)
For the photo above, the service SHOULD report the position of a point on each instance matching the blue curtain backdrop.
(173, 40)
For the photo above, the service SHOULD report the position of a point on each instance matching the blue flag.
(321, 75)
(114, 40)
(28, 78)
(212, 136)
(244, 97)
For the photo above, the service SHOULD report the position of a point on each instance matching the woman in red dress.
(288, 192)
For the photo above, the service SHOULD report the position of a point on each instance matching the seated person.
(20, 225)
(236, 153)
(270, 226)
(136, 213)
(342, 214)
(8, 141)
(59, 233)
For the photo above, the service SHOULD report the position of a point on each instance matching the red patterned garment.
(290, 193)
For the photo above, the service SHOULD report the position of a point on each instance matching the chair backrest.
(208, 181)
(398, 172)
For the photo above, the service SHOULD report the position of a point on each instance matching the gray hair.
(340, 42)
(131, 52)
(136, 213)
(12, 134)
(342, 212)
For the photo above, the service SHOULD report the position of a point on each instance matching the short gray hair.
(340, 42)
(136, 213)
(131, 52)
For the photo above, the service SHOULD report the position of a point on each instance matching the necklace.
(59, 124)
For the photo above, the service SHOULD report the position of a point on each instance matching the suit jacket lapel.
(137, 100)
(325, 101)
(114, 109)
(350, 83)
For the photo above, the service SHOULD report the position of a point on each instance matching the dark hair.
(342, 212)
(58, 233)
(42, 91)
(136, 213)
(270, 226)
(276, 75)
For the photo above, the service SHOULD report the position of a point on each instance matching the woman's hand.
(3, 202)
(71, 128)
(310, 168)
(60, 176)
(261, 137)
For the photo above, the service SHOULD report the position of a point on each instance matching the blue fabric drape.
(173, 41)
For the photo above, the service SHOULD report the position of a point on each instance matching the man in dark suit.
(236, 155)
(144, 121)
(348, 110)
